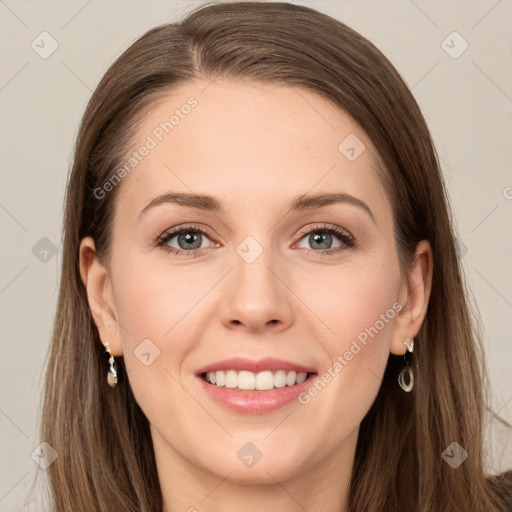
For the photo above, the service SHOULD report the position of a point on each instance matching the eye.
(191, 240)
(185, 240)
(326, 239)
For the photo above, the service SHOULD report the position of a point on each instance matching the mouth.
(248, 374)
(255, 387)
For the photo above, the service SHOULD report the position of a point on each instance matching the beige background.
(467, 102)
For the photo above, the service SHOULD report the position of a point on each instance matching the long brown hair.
(106, 460)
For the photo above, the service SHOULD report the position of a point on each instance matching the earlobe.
(414, 296)
(98, 285)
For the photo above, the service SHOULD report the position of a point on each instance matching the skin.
(254, 148)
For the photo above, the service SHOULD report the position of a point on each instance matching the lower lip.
(255, 402)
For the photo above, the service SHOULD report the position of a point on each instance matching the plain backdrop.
(456, 56)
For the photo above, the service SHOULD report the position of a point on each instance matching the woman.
(261, 301)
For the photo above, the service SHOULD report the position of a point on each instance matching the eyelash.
(346, 238)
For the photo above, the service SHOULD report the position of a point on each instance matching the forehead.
(247, 143)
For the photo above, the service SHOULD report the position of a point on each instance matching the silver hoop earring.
(112, 371)
(406, 376)
(406, 384)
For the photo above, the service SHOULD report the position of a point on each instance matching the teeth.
(246, 380)
(231, 379)
(261, 381)
(301, 377)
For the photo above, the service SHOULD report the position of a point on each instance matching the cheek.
(359, 306)
(153, 300)
(354, 301)
(151, 305)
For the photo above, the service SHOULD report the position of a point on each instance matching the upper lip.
(251, 365)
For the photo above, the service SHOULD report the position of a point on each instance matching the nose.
(256, 298)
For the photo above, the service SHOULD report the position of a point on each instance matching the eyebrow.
(301, 202)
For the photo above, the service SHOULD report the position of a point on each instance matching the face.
(287, 271)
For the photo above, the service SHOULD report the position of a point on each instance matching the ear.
(413, 296)
(100, 295)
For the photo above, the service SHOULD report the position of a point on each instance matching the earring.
(406, 377)
(112, 372)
